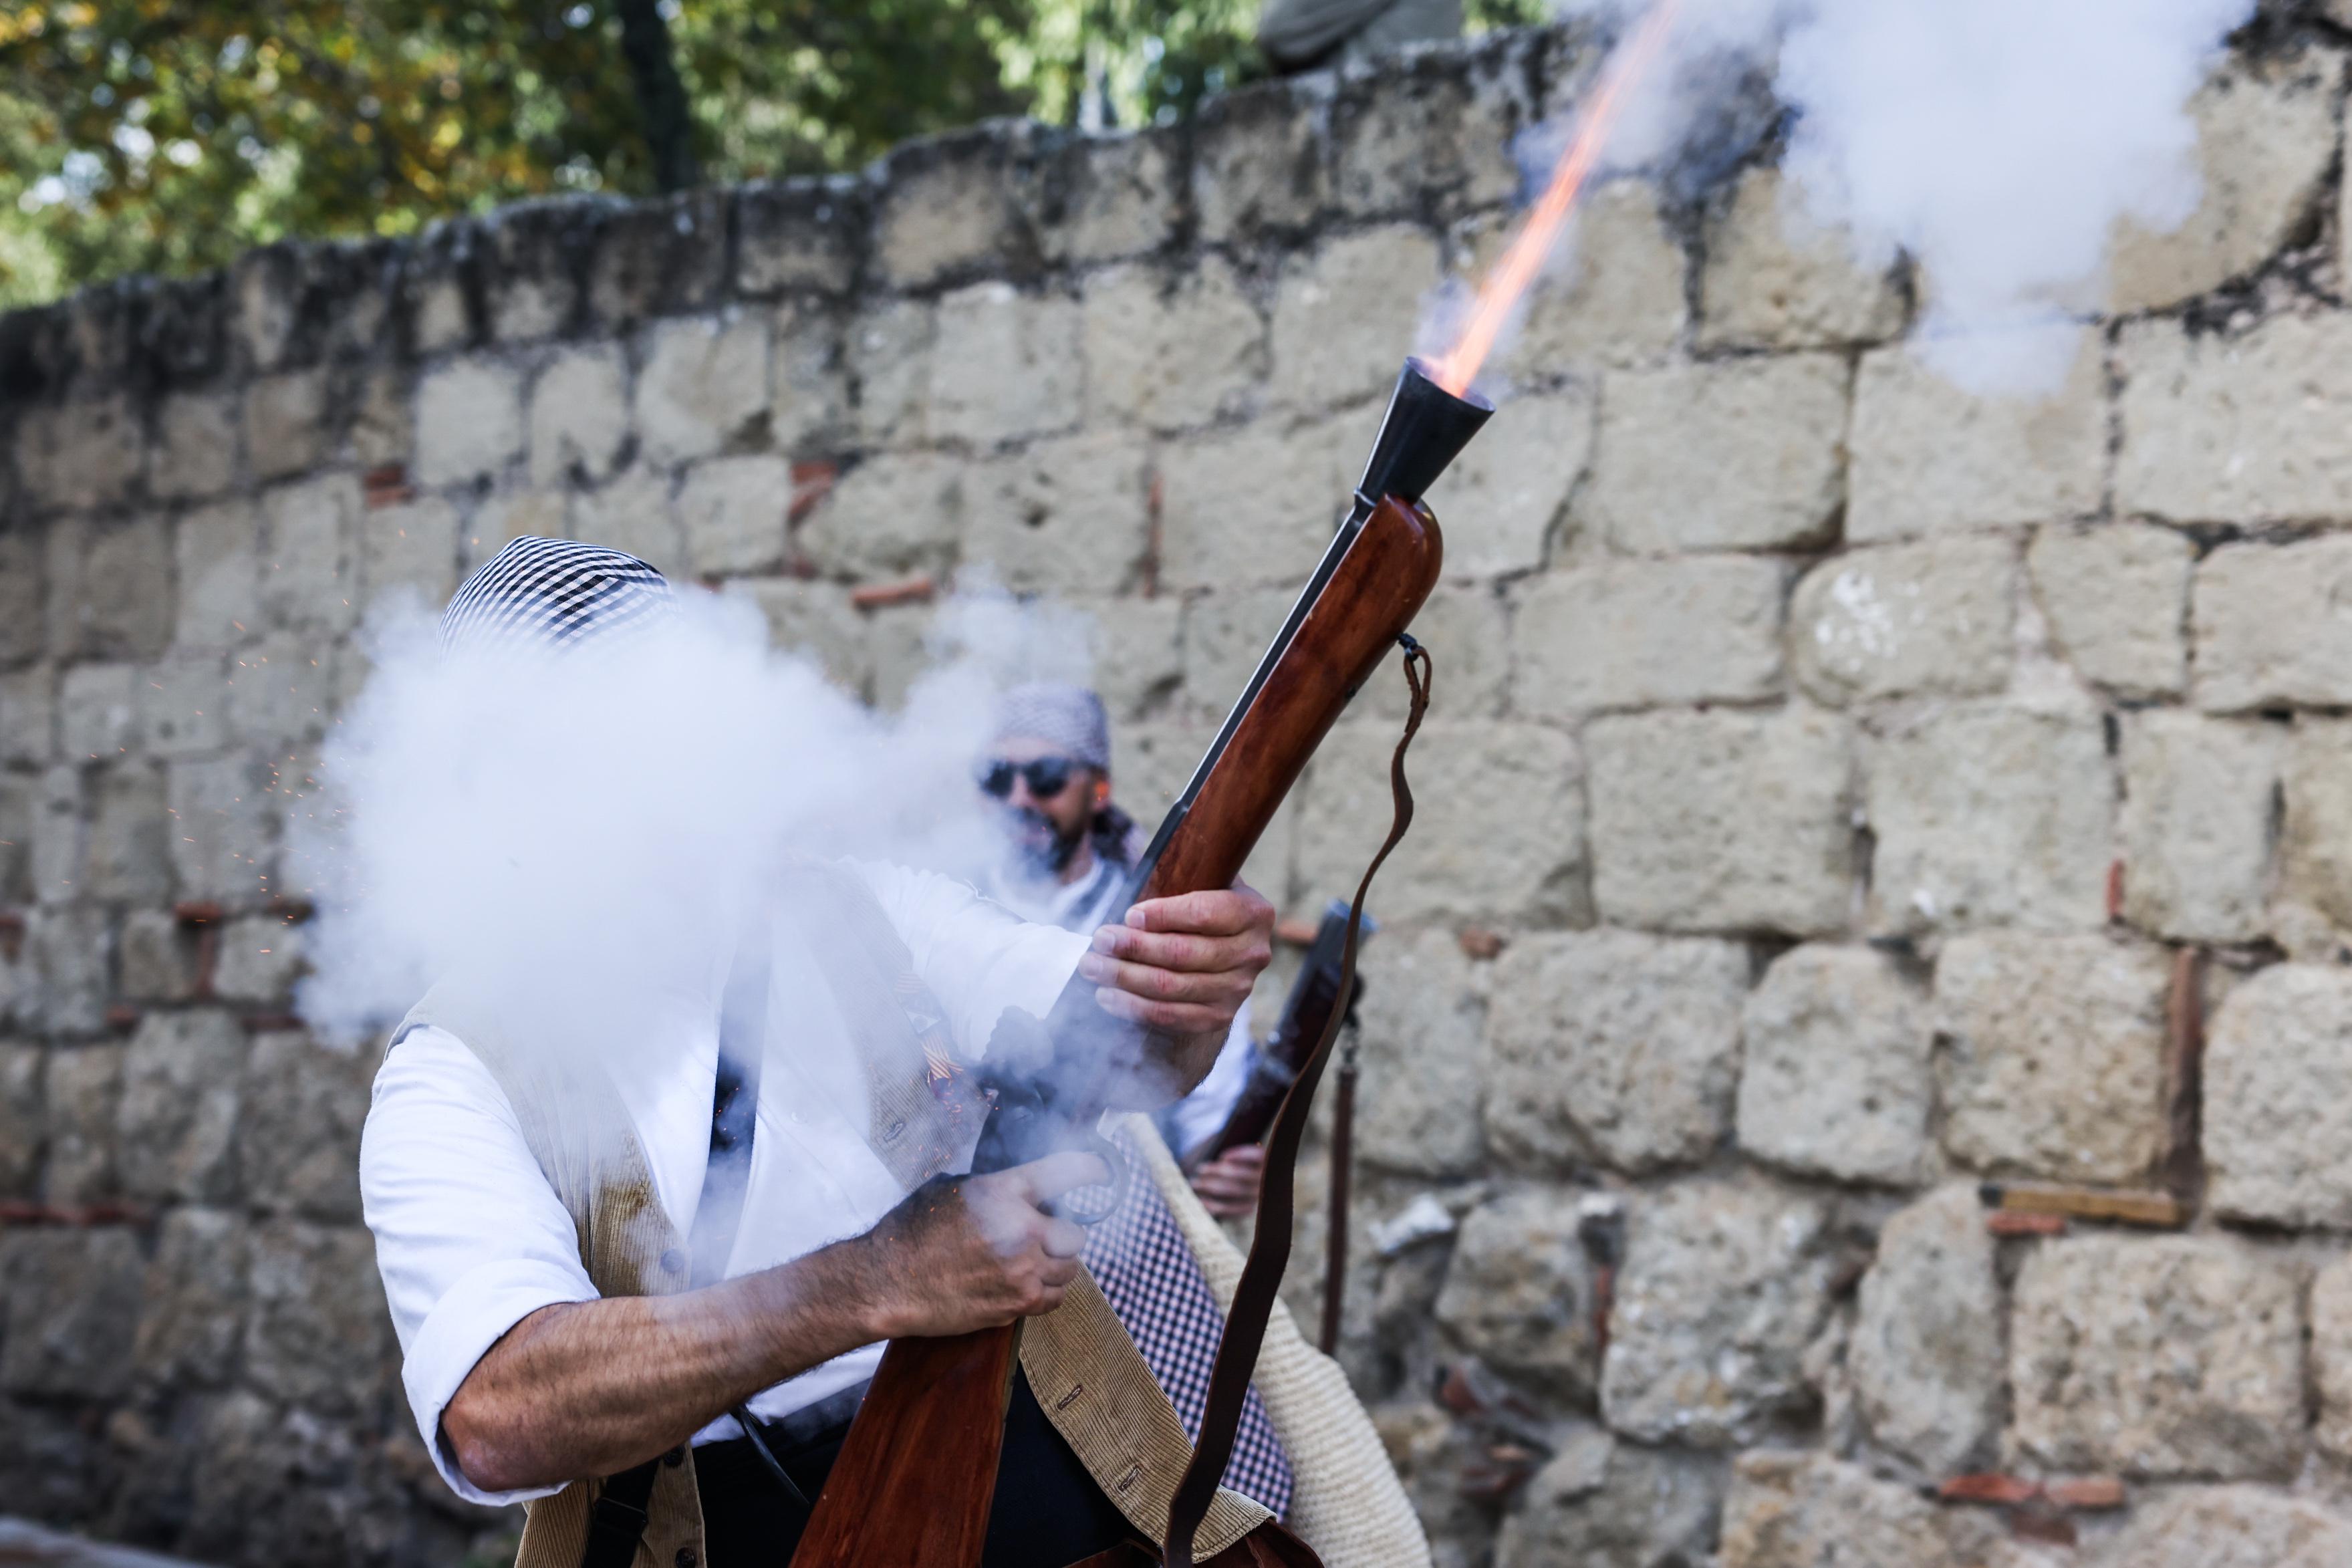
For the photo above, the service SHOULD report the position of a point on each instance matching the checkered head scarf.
(1070, 718)
(541, 594)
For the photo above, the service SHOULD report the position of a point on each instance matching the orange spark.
(1525, 257)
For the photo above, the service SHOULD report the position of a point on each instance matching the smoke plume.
(1997, 143)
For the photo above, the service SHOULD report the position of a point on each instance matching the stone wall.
(1843, 791)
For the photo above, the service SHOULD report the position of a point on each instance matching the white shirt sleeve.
(470, 1238)
(1205, 1110)
(977, 957)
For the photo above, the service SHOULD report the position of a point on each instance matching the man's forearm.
(588, 1388)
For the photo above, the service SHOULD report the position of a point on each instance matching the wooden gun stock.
(914, 1483)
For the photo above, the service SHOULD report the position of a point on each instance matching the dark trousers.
(1048, 1512)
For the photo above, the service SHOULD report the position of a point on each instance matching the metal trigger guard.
(1123, 1176)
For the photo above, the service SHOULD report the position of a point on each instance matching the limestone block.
(110, 588)
(1464, 626)
(1724, 1285)
(1137, 650)
(1791, 1510)
(159, 958)
(731, 510)
(899, 638)
(2053, 1055)
(183, 706)
(2278, 1098)
(28, 716)
(288, 424)
(98, 712)
(889, 349)
(1510, 845)
(2238, 429)
(948, 207)
(1254, 508)
(809, 398)
(2265, 137)
(1928, 456)
(2197, 824)
(1518, 1293)
(1122, 197)
(1986, 814)
(1340, 315)
(704, 385)
(318, 1337)
(2117, 596)
(1634, 633)
(1900, 620)
(84, 454)
(180, 1106)
(72, 1309)
(579, 415)
(1835, 1080)
(1735, 454)
(2201, 1527)
(1614, 297)
(1773, 279)
(217, 549)
(298, 1140)
(23, 596)
(1166, 350)
(258, 959)
(660, 257)
(192, 1304)
(1613, 1047)
(1005, 364)
(22, 1068)
(279, 694)
(1259, 162)
(1927, 1353)
(1723, 821)
(891, 513)
(195, 446)
(2331, 1354)
(82, 1091)
(1422, 1023)
(2158, 1356)
(62, 984)
(60, 834)
(2266, 626)
(1066, 516)
(631, 513)
(382, 427)
(225, 812)
(469, 421)
(2316, 854)
(797, 233)
(1606, 1504)
(814, 619)
(411, 549)
(1418, 134)
(310, 554)
(1224, 637)
(20, 811)
(1499, 502)
(129, 858)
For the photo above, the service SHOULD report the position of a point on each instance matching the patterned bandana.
(552, 593)
(1162, 1299)
(1069, 717)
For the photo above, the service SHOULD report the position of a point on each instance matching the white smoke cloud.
(592, 829)
(1997, 143)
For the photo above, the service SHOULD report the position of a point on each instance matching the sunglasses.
(1047, 777)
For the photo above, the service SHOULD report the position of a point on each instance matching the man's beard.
(1044, 849)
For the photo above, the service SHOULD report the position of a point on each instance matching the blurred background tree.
(169, 135)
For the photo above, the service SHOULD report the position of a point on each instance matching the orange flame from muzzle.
(1524, 258)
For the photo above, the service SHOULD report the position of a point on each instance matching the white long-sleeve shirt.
(470, 1238)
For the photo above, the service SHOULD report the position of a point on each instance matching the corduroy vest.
(1087, 1374)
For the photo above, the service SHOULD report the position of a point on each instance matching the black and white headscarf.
(552, 593)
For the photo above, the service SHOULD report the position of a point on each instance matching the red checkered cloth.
(1155, 1286)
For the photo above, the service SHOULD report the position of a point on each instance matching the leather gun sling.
(1269, 1253)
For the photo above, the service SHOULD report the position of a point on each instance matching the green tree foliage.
(168, 135)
